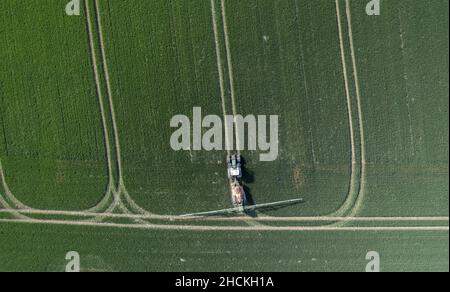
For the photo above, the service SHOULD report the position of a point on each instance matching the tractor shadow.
(248, 177)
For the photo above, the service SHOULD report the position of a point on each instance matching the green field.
(85, 109)
(52, 148)
(116, 250)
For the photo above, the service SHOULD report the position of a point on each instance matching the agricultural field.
(52, 149)
(86, 163)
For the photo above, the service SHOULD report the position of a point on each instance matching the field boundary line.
(110, 189)
(238, 218)
(220, 228)
(347, 84)
(230, 72)
(116, 189)
(355, 177)
(229, 59)
(228, 146)
(121, 190)
(108, 88)
(361, 195)
(13, 212)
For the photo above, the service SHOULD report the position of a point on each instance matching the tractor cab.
(234, 167)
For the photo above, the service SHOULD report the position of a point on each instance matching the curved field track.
(52, 149)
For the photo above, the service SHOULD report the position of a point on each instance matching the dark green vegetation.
(165, 63)
(284, 57)
(115, 250)
(300, 78)
(403, 64)
(51, 145)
